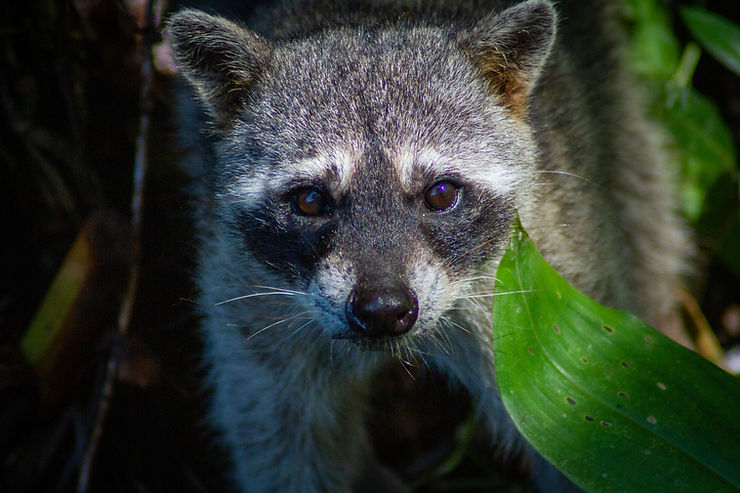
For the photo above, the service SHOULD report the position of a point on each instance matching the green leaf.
(608, 400)
(706, 145)
(717, 35)
(654, 49)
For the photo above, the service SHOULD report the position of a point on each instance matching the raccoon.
(357, 167)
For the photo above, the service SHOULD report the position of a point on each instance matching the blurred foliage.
(701, 139)
(717, 35)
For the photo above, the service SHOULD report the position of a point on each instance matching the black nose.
(383, 312)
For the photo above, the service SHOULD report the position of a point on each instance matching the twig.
(137, 206)
(706, 341)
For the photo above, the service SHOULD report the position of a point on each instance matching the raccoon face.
(377, 169)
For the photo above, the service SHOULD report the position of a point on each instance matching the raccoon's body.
(364, 164)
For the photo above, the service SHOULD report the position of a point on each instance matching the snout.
(380, 312)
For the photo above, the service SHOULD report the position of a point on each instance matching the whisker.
(266, 328)
(278, 322)
(480, 295)
(301, 327)
(255, 295)
(405, 365)
(291, 291)
(493, 294)
(523, 291)
(569, 174)
(440, 340)
(273, 291)
(421, 355)
(482, 278)
(472, 250)
(454, 324)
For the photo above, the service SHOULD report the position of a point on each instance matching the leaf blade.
(717, 35)
(588, 387)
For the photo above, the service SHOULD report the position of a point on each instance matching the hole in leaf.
(531, 350)
(571, 401)
(625, 364)
(606, 424)
(588, 418)
(623, 395)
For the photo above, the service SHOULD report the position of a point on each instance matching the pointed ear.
(220, 59)
(510, 49)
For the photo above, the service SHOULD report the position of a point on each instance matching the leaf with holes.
(608, 400)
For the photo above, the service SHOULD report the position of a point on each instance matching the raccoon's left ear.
(220, 59)
(510, 48)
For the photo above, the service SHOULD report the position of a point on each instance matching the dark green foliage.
(701, 139)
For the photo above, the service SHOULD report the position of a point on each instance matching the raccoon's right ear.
(511, 47)
(220, 59)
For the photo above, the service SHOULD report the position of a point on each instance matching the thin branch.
(137, 207)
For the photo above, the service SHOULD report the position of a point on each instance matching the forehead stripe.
(482, 168)
(339, 164)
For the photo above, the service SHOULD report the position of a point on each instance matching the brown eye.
(310, 202)
(441, 196)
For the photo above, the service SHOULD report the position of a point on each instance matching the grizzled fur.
(328, 128)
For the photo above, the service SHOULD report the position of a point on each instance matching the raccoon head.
(376, 168)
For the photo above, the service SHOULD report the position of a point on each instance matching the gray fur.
(371, 105)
